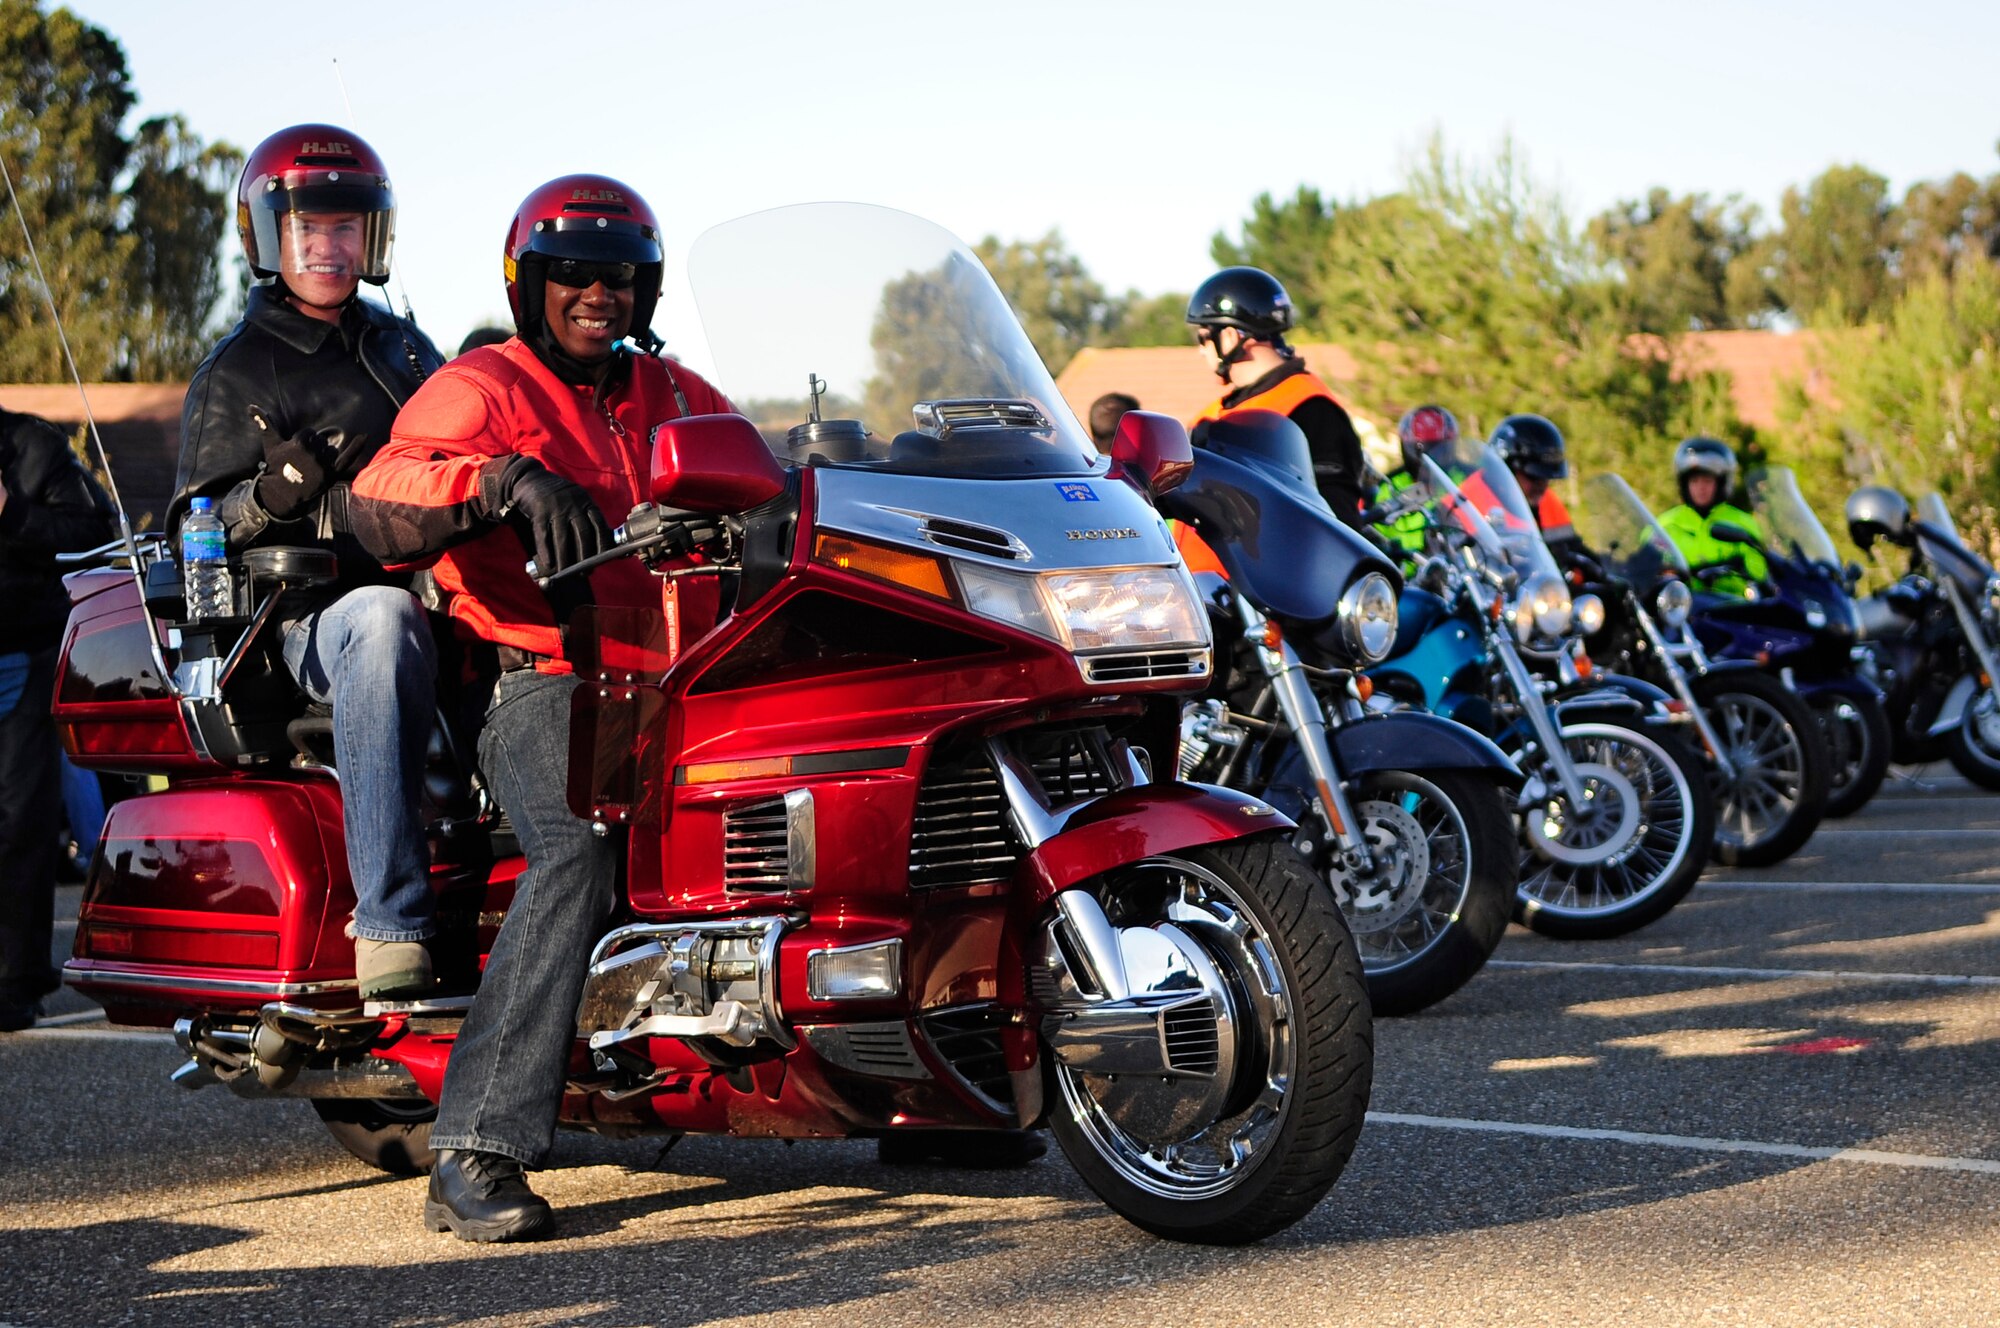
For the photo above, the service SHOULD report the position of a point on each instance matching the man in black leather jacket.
(279, 418)
(48, 505)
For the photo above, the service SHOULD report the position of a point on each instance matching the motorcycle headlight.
(1993, 595)
(1589, 614)
(1132, 608)
(1367, 617)
(1543, 608)
(1675, 601)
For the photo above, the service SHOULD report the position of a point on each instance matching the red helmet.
(315, 168)
(592, 218)
(1428, 427)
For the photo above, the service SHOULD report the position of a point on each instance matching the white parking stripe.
(80, 1017)
(1912, 832)
(1860, 887)
(1720, 971)
(1865, 1156)
(91, 1035)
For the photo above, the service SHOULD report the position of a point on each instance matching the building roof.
(141, 427)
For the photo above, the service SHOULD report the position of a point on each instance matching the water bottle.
(205, 564)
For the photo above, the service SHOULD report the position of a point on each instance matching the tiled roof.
(141, 427)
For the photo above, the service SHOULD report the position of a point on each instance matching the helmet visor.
(334, 246)
(595, 240)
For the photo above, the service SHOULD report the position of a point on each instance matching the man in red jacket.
(532, 448)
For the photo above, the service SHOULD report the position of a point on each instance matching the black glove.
(297, 470)
(563, 523)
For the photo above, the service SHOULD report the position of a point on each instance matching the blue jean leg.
(505, 1081)
(370, 654)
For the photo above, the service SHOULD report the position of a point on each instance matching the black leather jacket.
(302, 374)
(53, 506)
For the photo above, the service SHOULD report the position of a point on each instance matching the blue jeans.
(370, 654)
(504, 1084)
(30, 804)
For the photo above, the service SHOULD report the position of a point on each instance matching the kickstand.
(1907, 774)
(660, 1159)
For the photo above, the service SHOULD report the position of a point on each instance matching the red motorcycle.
(896, 853)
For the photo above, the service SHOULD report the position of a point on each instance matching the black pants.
(30, 813)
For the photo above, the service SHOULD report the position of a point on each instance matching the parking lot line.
(1906, 832)
(1722, 971)
(93, 1034)
(1860, 887)
(1866, 1156)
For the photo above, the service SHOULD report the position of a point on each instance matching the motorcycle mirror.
(1154, 449)
(1731, 534)
(713, 463)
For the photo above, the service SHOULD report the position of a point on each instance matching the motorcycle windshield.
(859, 336)
(1619, 528)
(1938, 538)
(1931, 508)
(1789, 522)
(1491, 492)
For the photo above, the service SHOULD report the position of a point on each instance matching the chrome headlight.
(1589, 614)
(1367, 618)
(1993, 594)
(1542, 608)
(1674, 601)
(1131, 608)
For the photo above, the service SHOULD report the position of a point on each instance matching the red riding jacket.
(419, 502)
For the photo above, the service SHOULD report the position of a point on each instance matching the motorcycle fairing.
(1138, 822)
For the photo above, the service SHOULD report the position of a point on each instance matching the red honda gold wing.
(897, 857)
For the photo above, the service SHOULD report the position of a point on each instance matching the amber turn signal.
(912, 571)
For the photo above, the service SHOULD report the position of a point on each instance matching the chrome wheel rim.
(1422, 876)
(1655, 852)
(1770, 764)
(1218, 1156)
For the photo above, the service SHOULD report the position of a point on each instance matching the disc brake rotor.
(1382, 898)
(1605, 829)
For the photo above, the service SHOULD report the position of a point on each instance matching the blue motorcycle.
(1614, 823)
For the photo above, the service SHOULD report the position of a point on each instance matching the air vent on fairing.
(968, 1040)
(960, 834)
(971, 538)
(767, 844)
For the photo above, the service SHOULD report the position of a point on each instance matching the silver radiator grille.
(1146, 666)
(960, 835)
(767, 845)
(1194, 1044)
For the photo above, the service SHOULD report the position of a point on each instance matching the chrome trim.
(75, 976)
(767, 1021)
(801, 840)
(1033, 820)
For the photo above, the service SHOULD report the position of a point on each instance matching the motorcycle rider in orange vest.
(1240, 317)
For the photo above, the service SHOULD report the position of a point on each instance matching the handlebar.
(647, 528)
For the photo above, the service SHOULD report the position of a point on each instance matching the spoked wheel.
(1776, 796)
(1974, 746)
(390, 1134)
(1631, 852)
(1435, 901)
(1856, 732)
(1240, 1114)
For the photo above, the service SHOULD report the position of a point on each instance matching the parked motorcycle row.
(978, 810)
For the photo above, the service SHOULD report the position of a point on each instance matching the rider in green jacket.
(1429, 429)
(1705, 468)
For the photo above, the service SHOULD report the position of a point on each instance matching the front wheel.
(1269, 1046)
(1974, 746)
(1434, 904)
(1856, 732)
(1629, 855)
(1767, 809)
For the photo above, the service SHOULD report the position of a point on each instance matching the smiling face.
(587, 323)
(319, 254)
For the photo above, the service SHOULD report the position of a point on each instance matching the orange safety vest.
(1550, 513)
(1194, 550)
(1284, 396)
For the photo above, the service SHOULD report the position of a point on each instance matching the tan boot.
(391, 969)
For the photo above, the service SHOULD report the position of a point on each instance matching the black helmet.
(1705, 456)
(1878, 510)
(1246, 298)
(1531, 446)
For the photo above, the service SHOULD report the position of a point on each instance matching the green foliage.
(128, 229)
(1292, 241)
(1831, 259)
(1150, 320)
(1676, 256)
(1060, 304)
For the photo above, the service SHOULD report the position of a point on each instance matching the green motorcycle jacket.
(1690, 530)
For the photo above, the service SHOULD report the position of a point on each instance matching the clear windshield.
(1618, 527)
(1789, 522)
(1932, 510)
(1957, 558)
(1484, 514)
(861, 336)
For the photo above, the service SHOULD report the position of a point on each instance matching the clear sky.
(1138, 129)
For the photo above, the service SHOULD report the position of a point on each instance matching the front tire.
(1437, 903)
(1974, 746)
(1304, 1052)
(1856, 732)
(392, 1136)
(1579, 886)
(1775, 801)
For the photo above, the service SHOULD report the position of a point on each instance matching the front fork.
(1975, 635)
(1677, 676)
(1306, 718)
(1528, 689)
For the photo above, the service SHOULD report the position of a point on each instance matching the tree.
(1674, 255)
(1150, 320)
(127, 229)
(1831, 255)
(1943, 223)
(1291, 241)
(1060, 304)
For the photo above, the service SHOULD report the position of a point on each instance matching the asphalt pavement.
(1772, 1107)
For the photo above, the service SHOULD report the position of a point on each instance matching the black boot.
(969, 1150)
(484, 1197)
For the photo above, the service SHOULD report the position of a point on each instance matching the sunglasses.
(579, 274)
